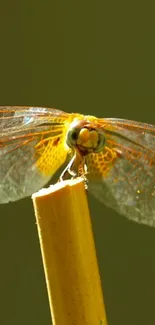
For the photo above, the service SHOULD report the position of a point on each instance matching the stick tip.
(56, 187)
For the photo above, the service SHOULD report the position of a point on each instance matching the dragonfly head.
(84, 136)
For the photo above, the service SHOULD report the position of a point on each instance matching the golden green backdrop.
(93, 57)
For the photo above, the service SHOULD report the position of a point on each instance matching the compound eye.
(72, 137)
(101, 142)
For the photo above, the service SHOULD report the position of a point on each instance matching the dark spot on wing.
(56, 141)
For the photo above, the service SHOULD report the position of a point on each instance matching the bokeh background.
(94, 57)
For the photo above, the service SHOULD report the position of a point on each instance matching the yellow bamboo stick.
(69, 257)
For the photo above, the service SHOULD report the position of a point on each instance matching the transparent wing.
(123, 175)
(31, 149)
(16, 118)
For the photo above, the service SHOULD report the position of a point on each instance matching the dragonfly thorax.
(86, 138)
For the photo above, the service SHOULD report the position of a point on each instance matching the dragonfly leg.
(68, 171)
(75, 168)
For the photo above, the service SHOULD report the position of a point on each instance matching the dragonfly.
(116, 157)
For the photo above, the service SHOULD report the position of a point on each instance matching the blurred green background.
(93, 57)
